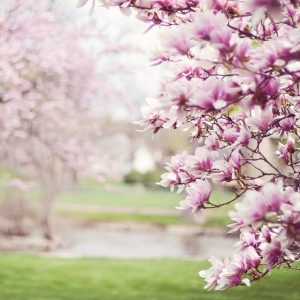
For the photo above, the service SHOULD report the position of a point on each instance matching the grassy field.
(24, 277)
(121, 195)
(136, 197)
(160, 220)
(131, 196)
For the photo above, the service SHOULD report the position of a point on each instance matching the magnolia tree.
(52, 97)
(235, 85)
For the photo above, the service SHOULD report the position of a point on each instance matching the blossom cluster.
(235, 87)
(269, 225)
(156, 12)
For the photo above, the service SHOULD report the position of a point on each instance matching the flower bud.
(266, 233)
(290, 145)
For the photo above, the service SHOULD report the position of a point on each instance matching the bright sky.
(134, 29)
(131, 29)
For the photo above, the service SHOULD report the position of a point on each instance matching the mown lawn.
(24, 277)
(131, 196)
(122, 195)
(160, 220)
(135, 197)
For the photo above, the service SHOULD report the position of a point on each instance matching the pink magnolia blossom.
(235, 85)
(235, 160)
(212, 94)
(271, 6)
(241, 50)
(228, 280)
(273, 195)
(176, 41)
(232, 271)
(236, 226)
(282, 152)
(231, 135)
(243, 138)
(247, 239)
(176, 171)
(271, 253)
(223, 39)
(223, 173)
(260, 119)
(253, 209)
(266, 234)
(151, 117)
(204, 24)
(201, 161)
(198, 193)
(212, 143)
(252, 258)
(212, 275)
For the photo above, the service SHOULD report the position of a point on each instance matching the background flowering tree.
(52, 98)
(235, 85)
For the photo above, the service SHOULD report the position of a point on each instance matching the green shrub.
(133, 177)
(151, 177)
(148, 179)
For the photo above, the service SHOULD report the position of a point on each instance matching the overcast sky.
(146, 79)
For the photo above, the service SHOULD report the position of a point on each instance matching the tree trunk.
(47, 214)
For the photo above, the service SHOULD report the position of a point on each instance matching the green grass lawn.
(114, 195)
(24, 277)
(212, 221)
(121, 195)
(160, 220)
(132, 196)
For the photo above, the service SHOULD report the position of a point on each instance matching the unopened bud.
(256, 274)
(290, 145)
(266, 233)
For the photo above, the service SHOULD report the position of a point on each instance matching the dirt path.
(118, 209)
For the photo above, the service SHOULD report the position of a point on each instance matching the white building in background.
(143, 160)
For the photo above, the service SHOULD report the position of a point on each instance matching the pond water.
(105, 242)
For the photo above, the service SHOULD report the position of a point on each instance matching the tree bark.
(47, 222)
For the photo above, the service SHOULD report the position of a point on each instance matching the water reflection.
(94, 242)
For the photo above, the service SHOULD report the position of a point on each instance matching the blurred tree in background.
(53, 96)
